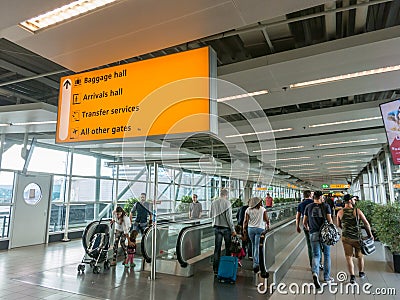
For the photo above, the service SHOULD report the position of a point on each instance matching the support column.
(373, 183)
(381, 179)
(389, 175)
(154, 229)
(68, 206)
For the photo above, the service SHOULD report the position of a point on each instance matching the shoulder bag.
(367, 244)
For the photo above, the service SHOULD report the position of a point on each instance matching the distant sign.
(261, 188)
(155, 97)
(339, 186)
(325, 186)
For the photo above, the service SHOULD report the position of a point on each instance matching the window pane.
(84, 165)
(6, 186)
(55, 161)
(12, 158)
(83, 189)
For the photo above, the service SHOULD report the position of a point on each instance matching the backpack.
(236, 245)
(328, 233)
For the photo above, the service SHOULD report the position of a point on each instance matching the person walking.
(347, 218)
(269, 201)
(195, 208)
(221, 214)
(256, 221)
(142, 210)
(246, 243)
(314, 217)
(299, 215)
(121, 232)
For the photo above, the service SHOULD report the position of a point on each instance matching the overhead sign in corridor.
(165, 95)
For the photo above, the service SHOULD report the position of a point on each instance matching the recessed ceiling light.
(344, 122)
(257, 93)
(343, 167)
(259, 132)
(299, 165)
(346, 142)
(344, 154)
(278, 149)
(343, 161)
(63, 13)
(291, 158)
(345, 76)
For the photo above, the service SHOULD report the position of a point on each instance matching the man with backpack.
(314, 217)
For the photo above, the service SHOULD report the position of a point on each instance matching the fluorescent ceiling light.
(27, 123)
(63, 13)
(299, 165)
(291, 158)
(343, 161)
(345, 76)
(345, 122)
(346, 142)
(259, 132)
(343, 167)
(34, 123)
(262, 92)
(301, 170)
(278, 149)
(344, 154)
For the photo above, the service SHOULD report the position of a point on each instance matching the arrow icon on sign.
(67, 83)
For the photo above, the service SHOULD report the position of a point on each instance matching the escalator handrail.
(179, 241)
(263, 269)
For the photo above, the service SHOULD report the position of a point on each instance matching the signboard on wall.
(172, 94)
(390, 112)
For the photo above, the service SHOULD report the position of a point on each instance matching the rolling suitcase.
(227, 269)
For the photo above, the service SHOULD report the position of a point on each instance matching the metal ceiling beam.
(39, 77)
(283, 22)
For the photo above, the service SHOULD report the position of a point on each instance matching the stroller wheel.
(107, 265)
(92, 263)
(96, 270)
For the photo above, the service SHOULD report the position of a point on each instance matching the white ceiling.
(130, 28)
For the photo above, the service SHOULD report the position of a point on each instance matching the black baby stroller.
(96, 242)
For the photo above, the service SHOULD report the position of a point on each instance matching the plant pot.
(393, 260)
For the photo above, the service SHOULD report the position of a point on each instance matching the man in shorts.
(350, 235)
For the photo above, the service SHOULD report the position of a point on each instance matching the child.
(131, 249)
(237, 249)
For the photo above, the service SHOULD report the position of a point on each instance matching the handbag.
(328, 233)
(367, 244)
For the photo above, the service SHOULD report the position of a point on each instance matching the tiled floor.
(379, 275)
(50, 272)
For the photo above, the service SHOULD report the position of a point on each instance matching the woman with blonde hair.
(255, 222)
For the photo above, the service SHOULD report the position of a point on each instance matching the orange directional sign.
(339, 186)
(165, 95)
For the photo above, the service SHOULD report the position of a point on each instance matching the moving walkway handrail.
(179, 242)
(263, 269)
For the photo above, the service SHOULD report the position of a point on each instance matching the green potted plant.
(129, 205)
(386, 220)
(236, 202)
(368, 209)
(183, 206)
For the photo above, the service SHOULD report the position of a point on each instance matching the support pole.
(67, 208)
(154, 229)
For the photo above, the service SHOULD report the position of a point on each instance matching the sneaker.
(316, 281)
(251, 257)
(126, 266)
(256, 269)
(321, 267)
(113, 263)
(240, 264)
(352, 279)
(133, 265)
(329, 280)
(361, 274)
